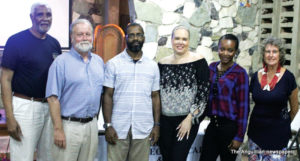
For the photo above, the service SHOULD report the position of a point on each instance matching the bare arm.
(156, 106)
(293, 99)
(6, 90)
(59, 135)
(110, 133)
(107, 104)
(154, 135)
(13, 127)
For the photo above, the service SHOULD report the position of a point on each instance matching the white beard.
(43, 29)
(84, 46)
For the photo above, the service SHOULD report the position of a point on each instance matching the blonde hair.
(181, 27)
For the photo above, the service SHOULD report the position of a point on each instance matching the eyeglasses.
(138, 35)
(271, 51)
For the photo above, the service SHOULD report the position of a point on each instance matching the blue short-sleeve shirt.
(77, 84)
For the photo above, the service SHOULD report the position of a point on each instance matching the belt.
(81, 120)
(30, 98)
(217, 120)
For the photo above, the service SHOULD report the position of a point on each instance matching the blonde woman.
(272, 88)
(184, 88)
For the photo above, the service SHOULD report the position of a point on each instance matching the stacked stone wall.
(208, 20)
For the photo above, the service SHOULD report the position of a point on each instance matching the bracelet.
(156, 124)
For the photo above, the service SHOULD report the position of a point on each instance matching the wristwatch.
(156, 124)
(107, 125)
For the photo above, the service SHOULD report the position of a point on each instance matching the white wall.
(14, 16)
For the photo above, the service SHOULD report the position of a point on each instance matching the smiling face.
(227, 50)
(82, 37)
(271, 55)
(180, 41)
(41, 19)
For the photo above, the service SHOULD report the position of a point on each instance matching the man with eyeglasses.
(131, 106)
(73, 91)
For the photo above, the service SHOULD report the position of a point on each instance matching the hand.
(111, 135)
(60, 138)
(184, 128)
(14, 129)
(234, 145)
(154, 135)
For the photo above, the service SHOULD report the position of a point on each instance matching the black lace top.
(184, 88)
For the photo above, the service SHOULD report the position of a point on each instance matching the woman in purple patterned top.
(228, 104)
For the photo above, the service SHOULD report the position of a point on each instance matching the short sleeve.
(253, 79)
(291, 82)
(55, 80)
(109, 75)
(10, 55)
(155, 85)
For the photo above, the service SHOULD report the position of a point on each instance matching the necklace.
(264, 79)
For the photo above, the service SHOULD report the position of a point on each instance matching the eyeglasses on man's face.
(138, 36)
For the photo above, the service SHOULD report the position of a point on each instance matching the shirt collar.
(214, 68)
(76, 54)
(129, 58)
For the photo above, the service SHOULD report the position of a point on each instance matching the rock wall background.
(208, 20)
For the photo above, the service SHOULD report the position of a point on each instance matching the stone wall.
(207, 20)
(93, 10)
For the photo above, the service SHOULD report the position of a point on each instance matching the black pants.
(170, 148)
(218, 136)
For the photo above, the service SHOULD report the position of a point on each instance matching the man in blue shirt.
(73, 91)
(26, 59)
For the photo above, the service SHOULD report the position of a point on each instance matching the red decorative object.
(264, 79)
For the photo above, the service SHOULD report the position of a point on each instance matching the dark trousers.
(170, 148)
(218, 136)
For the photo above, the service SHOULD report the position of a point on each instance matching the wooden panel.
(281, 19)
(113, 8)
(3, 130)
(109, 41)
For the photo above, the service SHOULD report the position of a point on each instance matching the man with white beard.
(73, 92)
(27, 57)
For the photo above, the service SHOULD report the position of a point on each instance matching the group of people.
(52, 100)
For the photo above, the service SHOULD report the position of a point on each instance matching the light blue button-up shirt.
(77, 84)
(133, 84)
